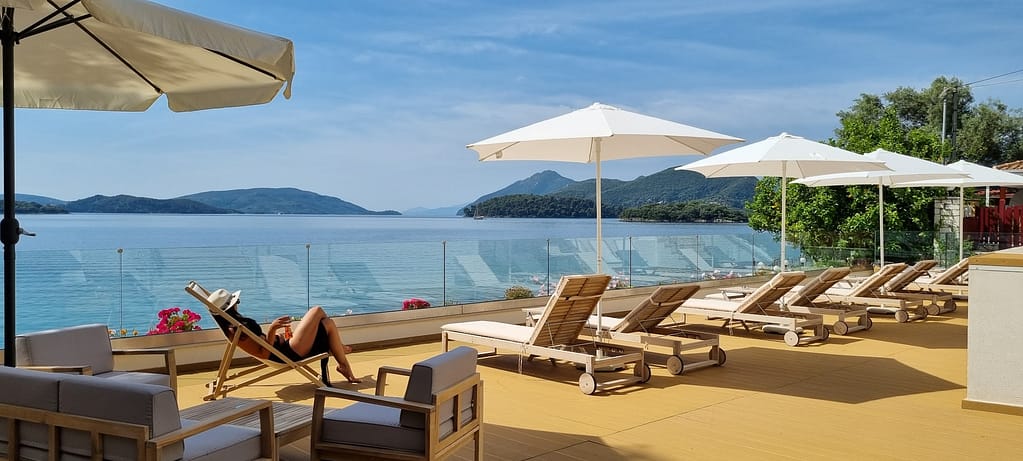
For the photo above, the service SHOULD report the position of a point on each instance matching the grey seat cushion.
(371, 425)
(137, 377)
(72, 346)
(145, 404)
(32, 389)
(222, 443)
(435, 374)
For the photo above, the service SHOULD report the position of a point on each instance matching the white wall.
(994, 371)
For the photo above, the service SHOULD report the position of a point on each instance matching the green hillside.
(280, 201)
(131, 204)
(667, 186)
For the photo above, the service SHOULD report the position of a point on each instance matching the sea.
(121, 269)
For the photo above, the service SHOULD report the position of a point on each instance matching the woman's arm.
(271, 331)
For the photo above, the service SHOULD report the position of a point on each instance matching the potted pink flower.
(174, 320)
(414, 303)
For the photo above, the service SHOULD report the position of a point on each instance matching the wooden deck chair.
(812, 298)
(650, 323)
(225, 383)
(869, 291)
(935, 302)
(948, 281)
(761, 309)
(557, 335)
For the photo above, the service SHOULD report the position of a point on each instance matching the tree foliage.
(539, 206)
(692, 211)
(906, 121)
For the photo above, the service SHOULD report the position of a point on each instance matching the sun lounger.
(650, 324)
(761, 309)
(935, 302)
(225, 383)
(557, 335)
(868, 292)
(951, 280)
(812, 298)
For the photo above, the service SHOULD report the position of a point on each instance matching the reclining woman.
(315, 333)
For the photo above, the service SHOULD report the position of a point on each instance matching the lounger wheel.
(826, 333)
(587, 383)
(675, 365)
(901, 316)
(954, 306)
(721, 356)
(949, 306)
(921, 312)
(791, 338)
(865, 321)
(644, 373)
(841, 328)
(933, 309)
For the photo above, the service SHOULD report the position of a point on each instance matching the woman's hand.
(281, 321)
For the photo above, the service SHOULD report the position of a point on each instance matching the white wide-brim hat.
(224, 299)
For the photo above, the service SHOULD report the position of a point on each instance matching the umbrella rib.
(250, 66)
(118, 56)
(39, 27)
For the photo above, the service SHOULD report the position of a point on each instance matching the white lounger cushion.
(491, 329)
(712, 304)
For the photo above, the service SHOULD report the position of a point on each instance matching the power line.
(996, 76)
(998, 83)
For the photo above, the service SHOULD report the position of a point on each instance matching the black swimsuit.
(320, 344)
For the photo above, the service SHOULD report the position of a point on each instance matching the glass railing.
(126, 288)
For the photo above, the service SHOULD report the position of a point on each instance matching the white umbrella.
(902, 168)
(785, 156)
(979, 176)
(122, 55)
(597, 133)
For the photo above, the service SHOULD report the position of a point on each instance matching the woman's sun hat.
(224, 299)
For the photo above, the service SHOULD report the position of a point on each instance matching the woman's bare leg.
(304, 334)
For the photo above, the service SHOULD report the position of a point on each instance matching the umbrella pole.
(9, 225)
(783, 199)
(880, 216)
(599, 236)
(962, 220)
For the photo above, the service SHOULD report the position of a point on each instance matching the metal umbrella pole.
(9, 226)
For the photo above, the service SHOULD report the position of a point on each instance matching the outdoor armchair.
(86, 350)
(441, 410)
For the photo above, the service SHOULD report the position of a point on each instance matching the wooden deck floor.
(893, 392)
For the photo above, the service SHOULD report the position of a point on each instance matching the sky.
(387, 94)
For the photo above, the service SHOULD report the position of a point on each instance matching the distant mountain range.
(667, 186)
(251, 201)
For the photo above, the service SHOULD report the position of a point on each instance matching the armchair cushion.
(27, 389)
(143, 404)
(434, 374)
(78, 345)
(371, 425)
(222, 443)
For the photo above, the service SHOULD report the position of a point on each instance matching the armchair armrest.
(80, 369)
(386, 370)
(323, 393)
(266, 427)
(169, 361)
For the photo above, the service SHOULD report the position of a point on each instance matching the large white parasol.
(122, 55)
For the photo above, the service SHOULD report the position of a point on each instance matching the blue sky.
(387, 94)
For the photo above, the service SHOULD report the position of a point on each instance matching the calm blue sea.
(110, 231)
(120, 269)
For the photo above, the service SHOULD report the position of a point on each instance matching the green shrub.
(518, 292)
